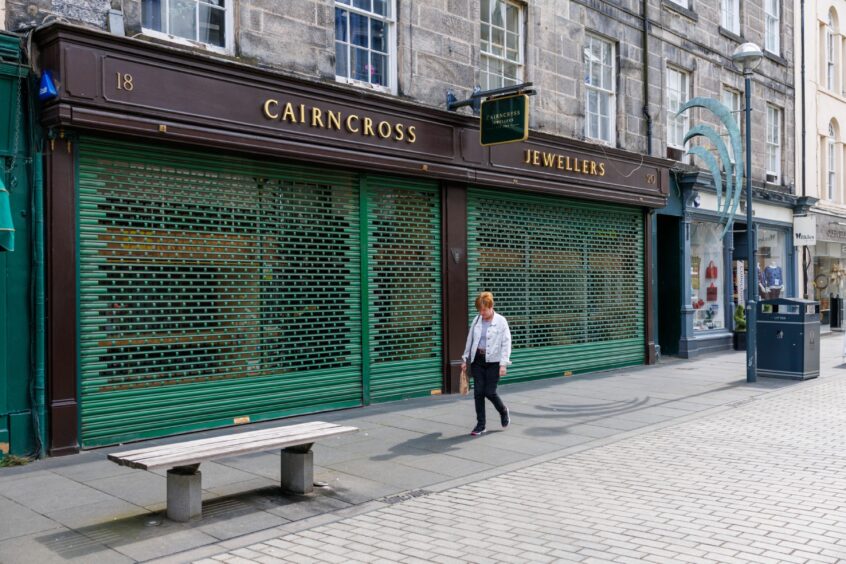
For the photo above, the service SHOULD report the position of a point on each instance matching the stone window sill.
(686, 12)
(731, 35)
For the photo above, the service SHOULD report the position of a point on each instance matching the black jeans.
(485, 379)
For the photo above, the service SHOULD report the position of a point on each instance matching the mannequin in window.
(763, 291)
(773, 279)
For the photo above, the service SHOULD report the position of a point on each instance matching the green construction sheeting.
(7, 228)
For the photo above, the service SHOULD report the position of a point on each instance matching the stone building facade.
(437, 47)
(820, 119)
(341, 106)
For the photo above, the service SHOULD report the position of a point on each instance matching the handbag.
(463, 383)
(711, 293)
(711, 270)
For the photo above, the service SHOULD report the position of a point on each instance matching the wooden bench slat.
(210, 451)
(212, 454)
(241, 447)
(223, 439)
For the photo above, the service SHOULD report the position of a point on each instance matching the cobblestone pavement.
(763, 481)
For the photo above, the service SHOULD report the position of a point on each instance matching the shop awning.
(7, 228)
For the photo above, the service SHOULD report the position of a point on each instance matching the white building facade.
(820, 123)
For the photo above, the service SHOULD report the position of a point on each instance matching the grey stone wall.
(438, 49)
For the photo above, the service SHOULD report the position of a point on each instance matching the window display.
(706, 249)
(771, 271)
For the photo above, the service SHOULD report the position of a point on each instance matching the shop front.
(715, 275)
(826, 268)
(285, 247)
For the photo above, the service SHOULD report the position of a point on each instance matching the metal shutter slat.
(567, 275)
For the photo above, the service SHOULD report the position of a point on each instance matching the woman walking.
(489, 349)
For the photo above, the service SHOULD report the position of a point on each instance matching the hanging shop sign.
(804, 230)
(504, 120)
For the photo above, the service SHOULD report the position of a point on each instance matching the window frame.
(611, 93)
(683, 3)
(772, 38)
(484, 56)
(229, 35)
(774, 124)
(730, 9)
(830, 53)
(683, 88)
(391, 66)
(736, 111)
(831, 169)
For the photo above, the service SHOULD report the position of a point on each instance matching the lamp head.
(747, 57)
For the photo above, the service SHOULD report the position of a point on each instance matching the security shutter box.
(213, 290)
(404, 288)
(567, 275)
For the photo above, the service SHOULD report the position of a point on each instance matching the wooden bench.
(184, 480)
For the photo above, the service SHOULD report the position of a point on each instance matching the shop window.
(365, 50)
(502, 44)
(730, 15)
(600, 91)
(771, 263)
(773, 144)
(828, 278)
(830, 51)
(772, 30)
(706, 276)
(193, 22)
(678, 92)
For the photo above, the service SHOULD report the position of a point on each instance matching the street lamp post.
(747, 57)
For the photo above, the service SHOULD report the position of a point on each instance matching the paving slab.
(95, 513)
(58, 546)
(18, 520)
(140, 488)
(50, 492)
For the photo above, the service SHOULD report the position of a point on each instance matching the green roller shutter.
(213, 289)
(567, 275)
(404, 288)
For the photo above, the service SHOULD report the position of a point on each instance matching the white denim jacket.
(498, 347)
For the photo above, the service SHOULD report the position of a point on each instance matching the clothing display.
(772, 276)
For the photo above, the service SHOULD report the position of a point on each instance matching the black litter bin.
(836, 320)
(788, 338)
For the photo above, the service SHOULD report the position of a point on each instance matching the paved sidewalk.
(84, 508)
(764, 483)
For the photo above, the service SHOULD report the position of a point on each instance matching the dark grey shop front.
(702, 274)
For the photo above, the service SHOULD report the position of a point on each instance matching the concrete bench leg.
(184, 493)
(297, 469)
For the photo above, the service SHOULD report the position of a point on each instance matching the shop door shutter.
(404, 288)
(212, 290)
(568, 276)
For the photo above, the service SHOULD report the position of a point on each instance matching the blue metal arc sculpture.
(734, 171)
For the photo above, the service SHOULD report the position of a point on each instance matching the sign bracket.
(475, 99)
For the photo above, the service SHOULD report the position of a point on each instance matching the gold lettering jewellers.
(301, 114)
(563, 162)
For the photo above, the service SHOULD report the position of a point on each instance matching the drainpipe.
(802, 79)
(39, 388)
(38, 299)
(806, 252)
(646, 79)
